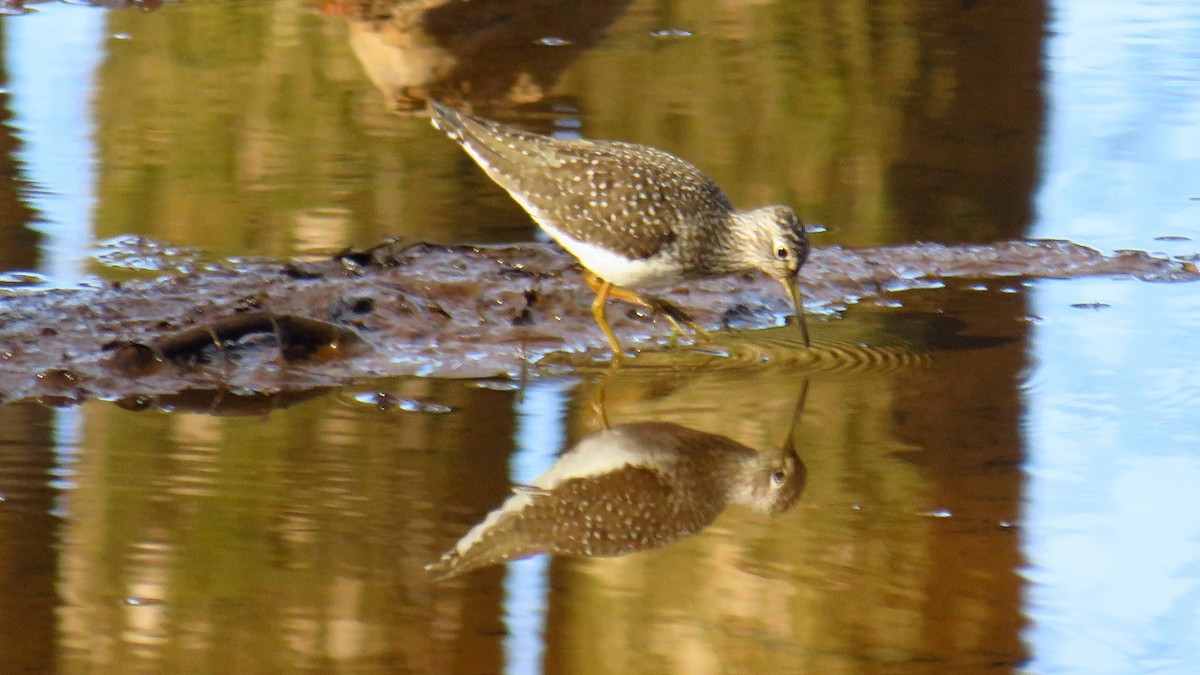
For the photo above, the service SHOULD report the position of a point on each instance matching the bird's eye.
(781, 253)
(778, 477)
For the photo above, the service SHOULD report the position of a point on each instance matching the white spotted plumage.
(635, 216)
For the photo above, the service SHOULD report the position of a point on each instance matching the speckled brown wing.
(621, 196)
(617, 512)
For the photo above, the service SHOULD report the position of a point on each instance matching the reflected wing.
(614, 513)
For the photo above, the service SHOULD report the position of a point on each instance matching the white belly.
(622, 271)
(613, 267)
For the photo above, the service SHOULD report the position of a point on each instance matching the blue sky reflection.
(1112, 525)
(53, 118)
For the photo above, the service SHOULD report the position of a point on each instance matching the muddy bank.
(448, 311)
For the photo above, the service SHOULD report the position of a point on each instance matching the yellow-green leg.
(599, 312)
(676, 316)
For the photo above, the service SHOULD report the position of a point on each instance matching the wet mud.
(259, 333)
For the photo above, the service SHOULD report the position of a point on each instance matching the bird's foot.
(679, 319)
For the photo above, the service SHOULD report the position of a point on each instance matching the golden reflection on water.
(254, 544)
(901, 551)
(285, 541)
(267, 128)
(296, 539)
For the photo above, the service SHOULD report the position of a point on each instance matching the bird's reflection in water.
(629, 488)
(488, 52)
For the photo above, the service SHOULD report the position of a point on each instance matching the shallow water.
(298, 537)
(1000, 474)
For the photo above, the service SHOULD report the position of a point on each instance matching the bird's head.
(773, 239)
(773, 483)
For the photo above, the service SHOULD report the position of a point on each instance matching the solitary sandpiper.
(634, 216)
(629, 488)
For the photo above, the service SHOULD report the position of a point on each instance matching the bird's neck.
(725, 251)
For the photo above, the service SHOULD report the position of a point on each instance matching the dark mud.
(252, 332)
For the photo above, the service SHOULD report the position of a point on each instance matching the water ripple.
(782, 348)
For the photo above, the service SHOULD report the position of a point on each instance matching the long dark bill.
(793, 290)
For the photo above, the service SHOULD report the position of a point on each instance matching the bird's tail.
(448, 120)
(501, 150)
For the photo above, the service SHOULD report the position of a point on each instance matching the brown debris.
(447, 311)
(295, 337)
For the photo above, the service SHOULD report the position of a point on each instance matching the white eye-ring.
(782, 253)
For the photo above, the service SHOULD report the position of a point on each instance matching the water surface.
(1000, 473)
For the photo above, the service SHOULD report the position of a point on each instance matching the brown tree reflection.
(506, 50)
(630, 488)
